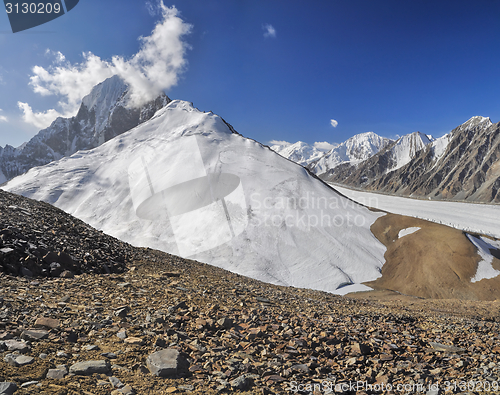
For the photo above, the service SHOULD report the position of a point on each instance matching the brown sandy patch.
(436, 261)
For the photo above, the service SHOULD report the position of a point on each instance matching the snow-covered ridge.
(299, 152)
(406, 147)
(483, 122)
(354, 150)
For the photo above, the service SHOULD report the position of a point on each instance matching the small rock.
(15, 345)
(22, 360)
(225, 322)
(127, 390)
(115, 382)
(25, 272)
(360, 349)
(66, 274)
(134, 341)
(58, 373)
(7, 388)
(109, 355)
(91, 347)
(302, 368)
(62, 354)
(164, 363)
(445, 348)
(90, 367)
(241, 383)
(10, 359)
(43, 356)
(186, 387)
(47, 322)
(34, 334)
(122, 311)
(28, 384)
(122, 334)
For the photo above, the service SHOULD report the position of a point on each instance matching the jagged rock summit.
(103, 114)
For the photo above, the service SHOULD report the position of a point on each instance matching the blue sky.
(392, 67)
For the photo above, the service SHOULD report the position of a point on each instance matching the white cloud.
(323, 145)
(3, 118)
(334, 123)
(39, 119)
(280, 142)
(154, 68)
(269, 31)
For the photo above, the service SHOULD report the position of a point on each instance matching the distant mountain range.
(103, 115)
(356, 149)
(462, 165)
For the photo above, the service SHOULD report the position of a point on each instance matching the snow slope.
(480, 218)
(484, 267)
(185, 183)
(354, 150)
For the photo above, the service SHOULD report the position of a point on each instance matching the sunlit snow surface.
(352, 288)
(407, 231)
(480, 218)
(289, 228)
(484, 267)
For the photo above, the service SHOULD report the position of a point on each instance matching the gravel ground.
(170, 325)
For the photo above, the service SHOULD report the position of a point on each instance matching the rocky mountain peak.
(104, 113)
(482, 122)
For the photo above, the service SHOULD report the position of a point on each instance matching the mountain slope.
(463, 165)
(356, 149)
(103, 115)
(184, 182)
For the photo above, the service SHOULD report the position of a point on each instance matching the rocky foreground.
(169, 325)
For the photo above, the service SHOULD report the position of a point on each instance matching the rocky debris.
(296, 336)
(46, 242)
(208, 331)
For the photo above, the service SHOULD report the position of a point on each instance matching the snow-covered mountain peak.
(406, 147)
(105, 94)
(354, 150)
(103, 115)
(483, 122)
(299, 152)
(103, 98)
